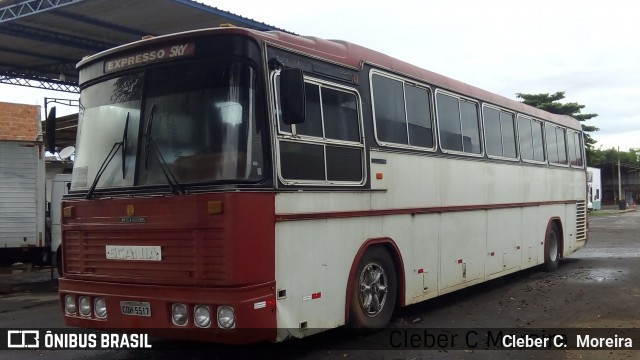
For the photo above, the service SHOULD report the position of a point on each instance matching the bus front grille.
(187, 257)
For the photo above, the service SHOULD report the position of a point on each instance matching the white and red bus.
(228, 180)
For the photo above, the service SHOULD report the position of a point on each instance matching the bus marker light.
(379, 176)
(420, 271)
(492, 253)
(313, 296)
(271, 303)
(215, 207)
(67, 212)
(259, 305)
(459, 261)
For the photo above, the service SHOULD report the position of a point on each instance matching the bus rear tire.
(552, 248)
(373, 294)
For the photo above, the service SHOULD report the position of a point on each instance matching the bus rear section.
(201, 263)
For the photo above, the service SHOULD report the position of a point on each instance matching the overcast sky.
(589, 49)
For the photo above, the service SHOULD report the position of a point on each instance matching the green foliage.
(598, 157)
(549, 102)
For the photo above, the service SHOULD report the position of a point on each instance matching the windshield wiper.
(107, 160)
(147, 136)
(150, 144)
(124, 144)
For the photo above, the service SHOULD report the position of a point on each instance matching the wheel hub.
(373, 289)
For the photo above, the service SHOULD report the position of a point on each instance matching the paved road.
(597, 287)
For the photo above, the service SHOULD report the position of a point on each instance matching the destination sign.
(165, 53)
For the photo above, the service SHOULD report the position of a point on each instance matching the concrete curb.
(612, 212)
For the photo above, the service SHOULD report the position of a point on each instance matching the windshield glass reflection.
(202, 120)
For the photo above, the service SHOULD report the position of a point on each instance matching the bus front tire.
(373, 294)
(552, 249)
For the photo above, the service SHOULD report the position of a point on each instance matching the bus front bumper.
(237, 315)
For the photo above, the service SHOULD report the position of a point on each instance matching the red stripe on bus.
(412, 211)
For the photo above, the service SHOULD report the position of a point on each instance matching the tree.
(601, 157)
(550, 103)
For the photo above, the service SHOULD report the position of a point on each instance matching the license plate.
(135, 308)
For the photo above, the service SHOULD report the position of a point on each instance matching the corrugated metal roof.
(41, 41)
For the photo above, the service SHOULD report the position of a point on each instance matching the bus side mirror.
(50, 129)
(292, 97)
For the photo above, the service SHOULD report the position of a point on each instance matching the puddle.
(596, 275)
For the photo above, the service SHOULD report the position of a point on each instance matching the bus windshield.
(196, 119)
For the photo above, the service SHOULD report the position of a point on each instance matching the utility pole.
(620, 196)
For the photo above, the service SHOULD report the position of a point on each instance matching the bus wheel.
(552, 249)
(374, 289)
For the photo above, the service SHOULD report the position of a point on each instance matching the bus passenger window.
(458, 124)
(340, 114)
(538, 147)
(402, 112)
(492, 131)
(530, 136)
(470, 127)
(552, 144)
(419, 116)
(389, 105)
(312, 126)
(449, 122)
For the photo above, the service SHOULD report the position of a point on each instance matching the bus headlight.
(226, 317)
(179, 314)
(70, 304)
(84, 306)
(100, 308)
(202, 316)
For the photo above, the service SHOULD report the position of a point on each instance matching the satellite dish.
(66, 152)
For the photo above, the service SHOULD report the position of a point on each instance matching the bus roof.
(355, 56)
